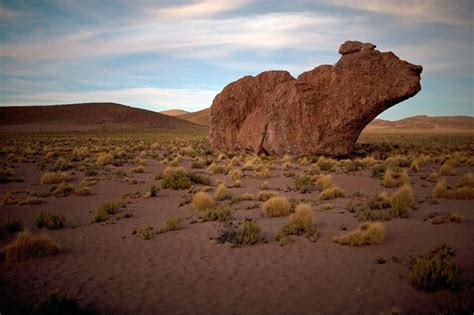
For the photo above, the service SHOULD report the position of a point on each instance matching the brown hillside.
(174, 112)
(85, 117)
(426, 123)
(200, 117)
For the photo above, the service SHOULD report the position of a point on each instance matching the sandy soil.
(187, 272)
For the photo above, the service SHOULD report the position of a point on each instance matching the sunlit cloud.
(201, 9)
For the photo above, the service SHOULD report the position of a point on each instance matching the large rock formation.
(323, 111)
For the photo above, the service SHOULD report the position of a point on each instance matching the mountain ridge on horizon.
(110, 113)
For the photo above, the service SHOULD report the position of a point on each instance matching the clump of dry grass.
(326, 164)
(401, 202)
(49, 220)
(466, 181)
(145, 232)
(331, 193)
(447, 169)
(301, 222)
(215, 168)
(235, 174)
(329, 190)
(443, 190)
(62, 190)
(247, 196)
(369, 233)
(53, 178)
(395, 177)
(380, 200)
(222, 193)
(9, 200)
(261, 174)
(217, 214)
(138, 169)
(104, 159)
(436, 271)
(62, 164)
(276, 207)
(202, 201)
(443, 218)
(26, 247)
(172, 224)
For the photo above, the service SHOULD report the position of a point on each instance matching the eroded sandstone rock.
(323, 111)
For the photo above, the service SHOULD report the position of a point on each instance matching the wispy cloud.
(6, 13)
(192, 38)
(441, 11)
(200, 9)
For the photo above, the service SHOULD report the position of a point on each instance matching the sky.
(162, 55)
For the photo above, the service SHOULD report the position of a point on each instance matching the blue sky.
(179, 54)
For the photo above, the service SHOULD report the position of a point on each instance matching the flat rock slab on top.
(323, 111)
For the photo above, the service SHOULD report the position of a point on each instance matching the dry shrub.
(53, 178)
(447, 169)
(49, 220)
(436, 271)
(202, 201)
(401, 202)
(395, 177)
(366, 234)
(175, 178)
(26, 247)
(248, 233)
(222, 193)
(467, 180)
(276, 207)
(314, 170)
(444, 218)
(301, 222)
(331, 193)
(380, 200)
(443, 190)
(235, 174)
(324, 182)
(217, 214)
(9, 200)
(138, 169)
(216, 169)
(261, 174)
(104, 159)
(247, 196)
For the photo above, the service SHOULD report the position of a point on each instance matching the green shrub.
(436, 271)
(303, 184)
(175, 178)
(105, 211)
(401, 202)
(199, 179)
(49, 220)
(217, 214)
(248, 233)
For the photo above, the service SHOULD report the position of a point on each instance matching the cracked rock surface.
(323, 111)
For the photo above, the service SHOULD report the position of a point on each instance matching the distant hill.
(174, 112)
(200, 117)
(87, 116)
(426, 123)
(440, 123)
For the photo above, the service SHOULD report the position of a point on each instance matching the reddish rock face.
(323, 111)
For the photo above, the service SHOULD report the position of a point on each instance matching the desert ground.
(159, 223)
